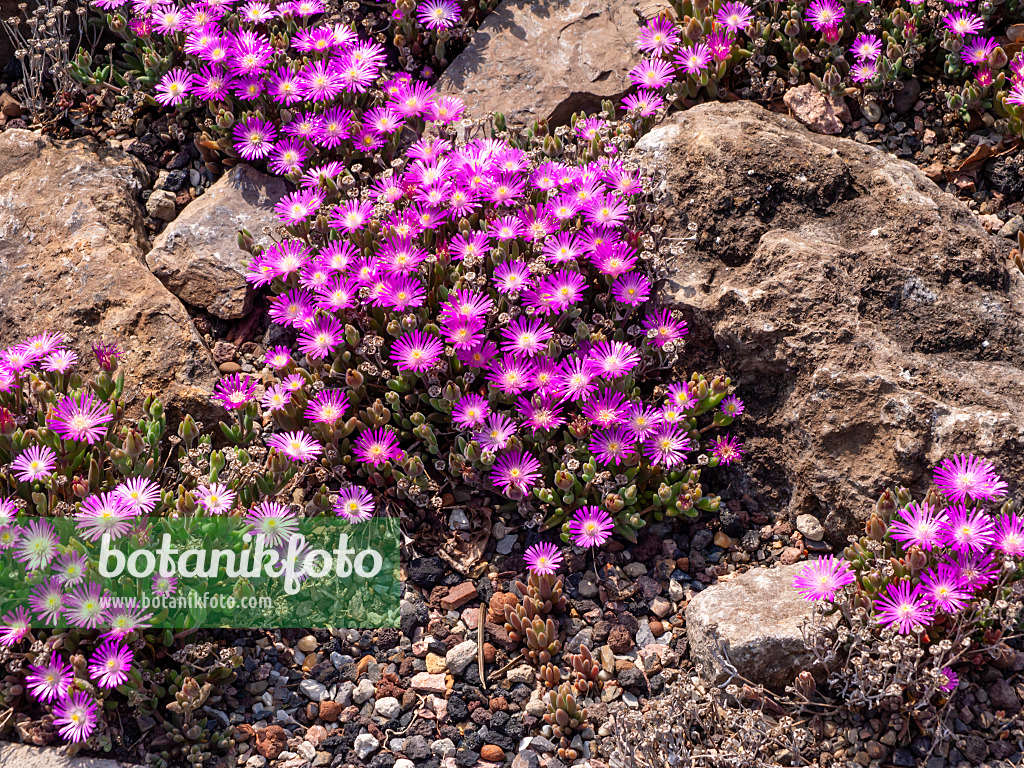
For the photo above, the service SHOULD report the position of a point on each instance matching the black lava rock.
(426, 571)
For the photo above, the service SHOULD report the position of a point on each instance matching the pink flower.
(515, 473)
(543, 558)
(376, 446)
(966, 476)
(822, 578)
(80, 418)
(904, 605)
(34, 463)
(590, 527)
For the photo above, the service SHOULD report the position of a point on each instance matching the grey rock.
(1012, 227)
(313, 690)
(521, 674)
(365, 745)
(388, 707)
(198, 257)
(1003, 697)
(809, 526)
(363, 692)
(546, 60)
(526, 758)
(506, 544)
(161, 205)
(442, 747)
(459, 657)
(583, 637)
(805, 285)
(757, 617)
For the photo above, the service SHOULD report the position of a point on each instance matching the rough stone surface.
(71, 247)
(757, 616)
(820, 113)
(24, 756)
(866, 317)
(197, 257)
(533, 60)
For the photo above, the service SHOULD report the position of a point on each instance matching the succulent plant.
(565, 716)
(549, 675)
(586, 672)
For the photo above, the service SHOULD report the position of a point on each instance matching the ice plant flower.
(50, 680)
(216, 498)
(234, 391)
(76, 716)
(376, 446)
(14, 626)
(355, 504)
(174, 87)
(824, 14)
(904, 605)
(296, 445)
(590, 527)
(274, 521)
(37, 545)
(727, 449)
(110, 664)
(517, 470)
(919, 525)
(822, 578)
(736, 17)
(35, 463)
(942, 587)
(543, 558)
(966, 529)
(1009, 535)
(104, 513)
(140, 494)
(966, 476)
(80, 418)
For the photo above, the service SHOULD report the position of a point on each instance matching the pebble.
(363, 692)
(459, 657)
(313, 690)
(506, 544)
(442, 747)
(722, 540)
(388, 707)
(661, 607)
(365, 745)
(424, 682)
(809, 526)
(521, 674)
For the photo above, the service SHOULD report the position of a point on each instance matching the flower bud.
(564, 479)
(694, 30)
(133, 445)
(792, 29)
(875, 528)
(354, 379)
(805, 684)
(665, 493)
(801, 53)
(613, 503)
(997, 59)
(832, 35)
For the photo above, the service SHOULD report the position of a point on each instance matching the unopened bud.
(805, 684)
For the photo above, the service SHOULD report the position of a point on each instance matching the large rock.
(533, 60)
(757, 622)
(197, 257)
(872, 326)
(71, 246)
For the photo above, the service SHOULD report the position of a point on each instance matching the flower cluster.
(945, 570)
(431, 33)
(279, 83)
(485, 313)
(843, 47)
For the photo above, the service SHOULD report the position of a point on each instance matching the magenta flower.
(864, 71)
(905, 606)
(298, 446)
(612, 359)
(944, 588)
(37, 545)
(328, 406)
(731, 406)
(495, 432)
(719, 43)
(576, 379)
(80, 418)
(825, 14)
(966, 530)
(76, 716)
(174, 87)
(216, 498)
(822, 578)
(515, 473)
(866, 48)
(60, 361)
(652, 73)
(952, 680)
(660, 327)
(526, 336)
(918, 525)
(104, 513)
(590, 527)
(512, 276)
(658, 36)
(274, 521)
(355, 504)
(511, 375)
(966, 476)
(540, 413)
(47, 600)
(975, 571)
(416, 351)
(14, 626)
(234, 391)
(612, 445)
(667, 446)
(110, 664)
(543, 558)
(438, 14)
(977, 50)
(694, 59)
(50, 680)
(254, 138)
(470, 411)
(736, 17)
(34, 463)
(319, 340)
(632, 288)
(727, 449)
(376, 446)
(1009, 535)
(644, 101)
(139, 494)
(278, 357)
